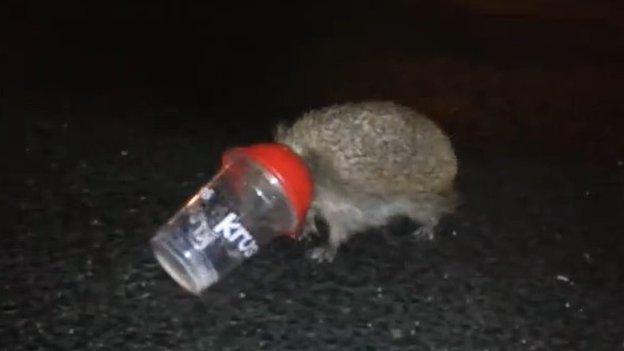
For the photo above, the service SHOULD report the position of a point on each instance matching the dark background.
(114, 113)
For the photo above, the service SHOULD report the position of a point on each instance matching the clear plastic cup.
(254, 198)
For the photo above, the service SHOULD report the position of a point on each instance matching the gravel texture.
(532, 260)
(109, 132)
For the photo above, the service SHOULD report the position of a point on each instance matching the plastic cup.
(261, 192)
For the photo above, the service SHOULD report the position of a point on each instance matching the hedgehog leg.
(426, 231)
(343, 219)
(427, 212)
(310, 223)
(327, 252)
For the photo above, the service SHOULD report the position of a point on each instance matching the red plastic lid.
(291, 171)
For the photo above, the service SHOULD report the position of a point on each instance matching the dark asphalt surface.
(108, 127)
(532, 260)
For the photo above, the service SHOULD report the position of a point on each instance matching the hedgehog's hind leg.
(428, 210)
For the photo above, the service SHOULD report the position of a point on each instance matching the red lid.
(292, 173)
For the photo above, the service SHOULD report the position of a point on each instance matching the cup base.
(193, 274)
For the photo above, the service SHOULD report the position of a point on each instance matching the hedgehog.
(370, 162)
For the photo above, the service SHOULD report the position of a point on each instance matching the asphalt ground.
(99, 156)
